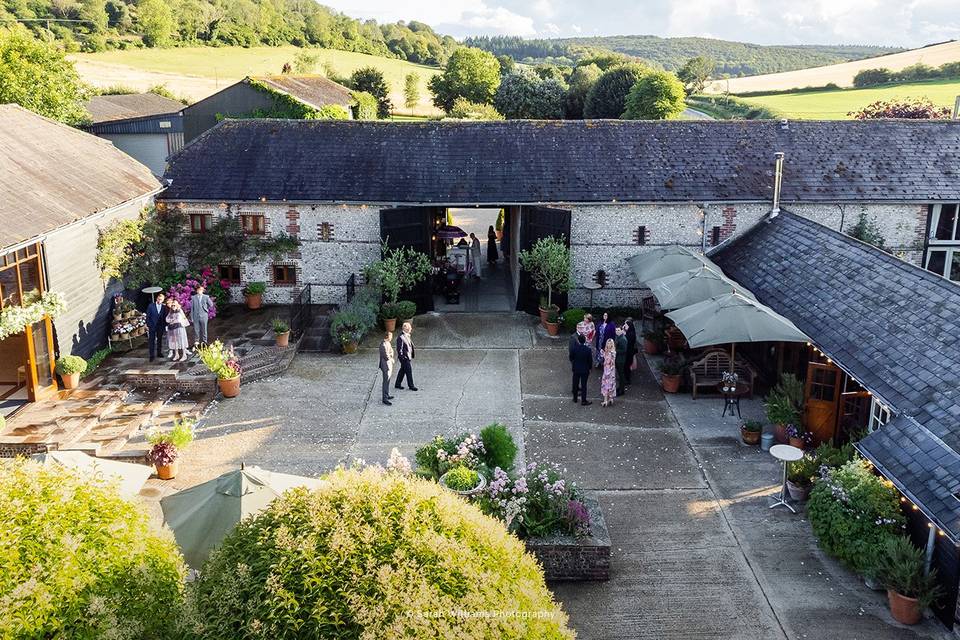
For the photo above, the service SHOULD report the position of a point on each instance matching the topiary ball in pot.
(372, 555)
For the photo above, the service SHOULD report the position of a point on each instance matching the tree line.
(732, 58)
(913, 73)
(120, 24)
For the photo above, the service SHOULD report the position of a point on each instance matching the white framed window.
(879, 415)
(943, 241)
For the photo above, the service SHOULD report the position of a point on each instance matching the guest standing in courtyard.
(631, 332)
(608, 381)
(156, 325)
(200, 306)
(475, 255)
(492, 253)
(588, 330)
(581, 361)
(406, 352)
(605, 331)
(620, 343)
(386, 365)
(177, 332)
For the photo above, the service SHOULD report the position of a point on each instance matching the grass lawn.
(834, 105)
(234, 63)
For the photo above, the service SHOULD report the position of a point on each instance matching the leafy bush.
(549, 265)
(784, 404)
(833, 457)
(851, 511)
(803, 471)
(470, 73)
(499, 449)
(753, 426)
(463, 109)
(461, 478)
(442, 454)
(658, 95)
(406, 310)
(909, 108)
(279, 326)
(901, 568)
(79, 561)
(372, 555)
(96, 360)
(254, 288)
(572, 317)
(180, 435)
(608, 95)
(365, 105)
(68, 365)
(389, 310)
(672, 365)
(872, 77)
(524, 94)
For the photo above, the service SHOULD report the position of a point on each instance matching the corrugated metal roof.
(111, 108)
(52, 175)
(314, 91)
(519, 161)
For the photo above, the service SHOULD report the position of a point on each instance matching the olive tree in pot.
(672, 373)
(397, 270)
(166, 447)
(910, 589)
(548, 262)
(281, 331)
(253, 294)
(553, 322)
(69, 368)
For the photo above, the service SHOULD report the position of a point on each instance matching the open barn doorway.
(486, 282)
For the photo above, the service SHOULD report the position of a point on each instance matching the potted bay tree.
(548, 263)
(399, 269)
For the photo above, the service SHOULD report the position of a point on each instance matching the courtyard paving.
(696, 553)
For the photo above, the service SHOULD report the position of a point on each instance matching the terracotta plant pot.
(543, 315)
(70, 380)
(168, 472)
(903, 609)
(390, 324)
(671, 384)
(780, 433)
(750, 437)
(283, 339)
(229, 387)
(350, 347)
(253, 300)
(553, 328)
(798, 492)
(650, 347)
(797, 442)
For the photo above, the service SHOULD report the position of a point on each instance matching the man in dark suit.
(406, 352)
(156, 325)
(582, 360)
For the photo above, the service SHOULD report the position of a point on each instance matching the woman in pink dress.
(177, 332)
(588, 330)
(608, 382)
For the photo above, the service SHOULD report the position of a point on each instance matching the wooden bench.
(708, 371)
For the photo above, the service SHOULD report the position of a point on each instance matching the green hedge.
(733, 108)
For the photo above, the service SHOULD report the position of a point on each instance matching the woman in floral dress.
(587, 329)
(177, 332)
(608, 382)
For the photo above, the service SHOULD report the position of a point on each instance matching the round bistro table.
(784, 453)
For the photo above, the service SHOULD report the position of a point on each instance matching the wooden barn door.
(411, 227)
(822, 398)
(536, 223)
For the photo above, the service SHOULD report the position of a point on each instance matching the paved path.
(696, 553)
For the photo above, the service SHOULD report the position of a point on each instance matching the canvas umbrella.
(201, 516)
(449, 232)
(692, 286)
(664, 261)
(131, 477)
(733, 317)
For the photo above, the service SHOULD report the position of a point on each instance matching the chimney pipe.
(777, 181)
(956, 108)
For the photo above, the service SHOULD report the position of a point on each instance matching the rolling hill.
(839, 74)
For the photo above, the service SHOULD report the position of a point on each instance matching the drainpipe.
(777, 182)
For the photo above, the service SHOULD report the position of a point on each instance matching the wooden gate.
(536, 223)
(821, 400)
(411, 227)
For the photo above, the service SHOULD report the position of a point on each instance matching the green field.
(233, 63)
(835, 105)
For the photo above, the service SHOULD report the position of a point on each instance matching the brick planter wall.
(568, 558)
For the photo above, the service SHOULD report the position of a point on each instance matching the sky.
(903, 23)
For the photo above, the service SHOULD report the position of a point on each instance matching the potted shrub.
(800, 476)
(253, 294)
(406, 310)
(549, 265)
(910, 590)
(750, 432)
(347, 328)
(390, 311)
(281, 331)
(798, 437)
(498, 227)
(397, 270)
(672, 374)
(225, 364)
(780, 413)
(69, 368)
(651, 342)
(463, 480)
(553, 322)
(166, 447)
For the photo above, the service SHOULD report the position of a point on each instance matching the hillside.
(196, 72)
(839, 74)
(732, 58)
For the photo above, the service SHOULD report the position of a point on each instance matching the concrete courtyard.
(696, 553)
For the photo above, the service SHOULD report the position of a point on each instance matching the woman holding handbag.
(177, 332)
